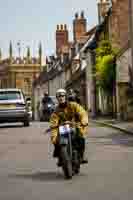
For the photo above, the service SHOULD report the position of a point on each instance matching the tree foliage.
(105, 65)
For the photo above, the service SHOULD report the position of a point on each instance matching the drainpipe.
(93, 86)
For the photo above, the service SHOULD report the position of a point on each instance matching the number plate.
(64, 130)
(8, 106)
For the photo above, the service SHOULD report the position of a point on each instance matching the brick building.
(117, 27)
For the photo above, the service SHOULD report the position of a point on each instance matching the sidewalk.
(126, 127)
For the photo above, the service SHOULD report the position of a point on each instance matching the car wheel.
(26, 123)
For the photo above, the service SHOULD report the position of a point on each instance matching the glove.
(54, 139)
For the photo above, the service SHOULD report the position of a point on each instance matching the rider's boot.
(83, 160)
(59, 162)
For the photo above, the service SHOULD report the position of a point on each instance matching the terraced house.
(73, 64)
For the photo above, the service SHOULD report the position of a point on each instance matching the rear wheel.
(66, 163)
(76, 162)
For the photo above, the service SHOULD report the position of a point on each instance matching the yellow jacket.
(72, 112)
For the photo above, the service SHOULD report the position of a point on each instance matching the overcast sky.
(31, 21)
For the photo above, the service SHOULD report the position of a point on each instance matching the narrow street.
(28, 171)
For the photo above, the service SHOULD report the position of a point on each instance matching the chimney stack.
(61, 38)
(79, 26)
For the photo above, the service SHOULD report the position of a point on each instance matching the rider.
(73, 95)
(46, 98)
(77, 96)
(68, 111)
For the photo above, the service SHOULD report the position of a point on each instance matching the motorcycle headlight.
(49, 105)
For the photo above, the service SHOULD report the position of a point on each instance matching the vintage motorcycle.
(69, 150)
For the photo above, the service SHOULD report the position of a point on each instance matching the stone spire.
(40, 53)
(10, 50)
(28, 54)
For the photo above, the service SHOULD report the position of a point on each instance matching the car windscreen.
(10, 95)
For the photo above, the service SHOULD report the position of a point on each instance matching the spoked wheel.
(66, 163)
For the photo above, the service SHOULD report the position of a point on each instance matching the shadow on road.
(40, 176)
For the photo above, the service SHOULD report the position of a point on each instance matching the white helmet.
(60, 91)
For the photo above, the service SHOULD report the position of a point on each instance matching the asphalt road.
(28, 171)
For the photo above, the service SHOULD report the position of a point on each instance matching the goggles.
(61, 95)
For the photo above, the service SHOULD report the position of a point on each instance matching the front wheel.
(66, 163)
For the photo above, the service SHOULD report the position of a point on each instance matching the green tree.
(106, 68)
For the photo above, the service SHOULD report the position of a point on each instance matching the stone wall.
(124, 92)
(56, 82)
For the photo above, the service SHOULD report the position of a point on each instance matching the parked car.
(13, 106)
(46, 111)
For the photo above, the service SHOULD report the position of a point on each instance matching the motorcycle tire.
(76, 162)
(66, 163)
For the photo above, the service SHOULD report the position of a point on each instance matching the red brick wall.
(61, 37)
(79, 27)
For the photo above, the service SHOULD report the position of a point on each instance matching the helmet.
(60, 91)
(46, 93)
(70, 91)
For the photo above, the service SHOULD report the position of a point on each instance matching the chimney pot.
(65, 27)
(76, 15)
(61, 26)
(82, 14)
(58, 27)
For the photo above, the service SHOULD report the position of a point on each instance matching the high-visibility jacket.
(73, 112)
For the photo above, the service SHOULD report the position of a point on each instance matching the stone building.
(67, 69)
(124, 89)
(22, 71)
(40, 86)
(117, 31)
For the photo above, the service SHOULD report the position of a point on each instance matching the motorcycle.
(69, 150)
(47, 111)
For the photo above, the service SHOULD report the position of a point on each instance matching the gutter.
(125, 130)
